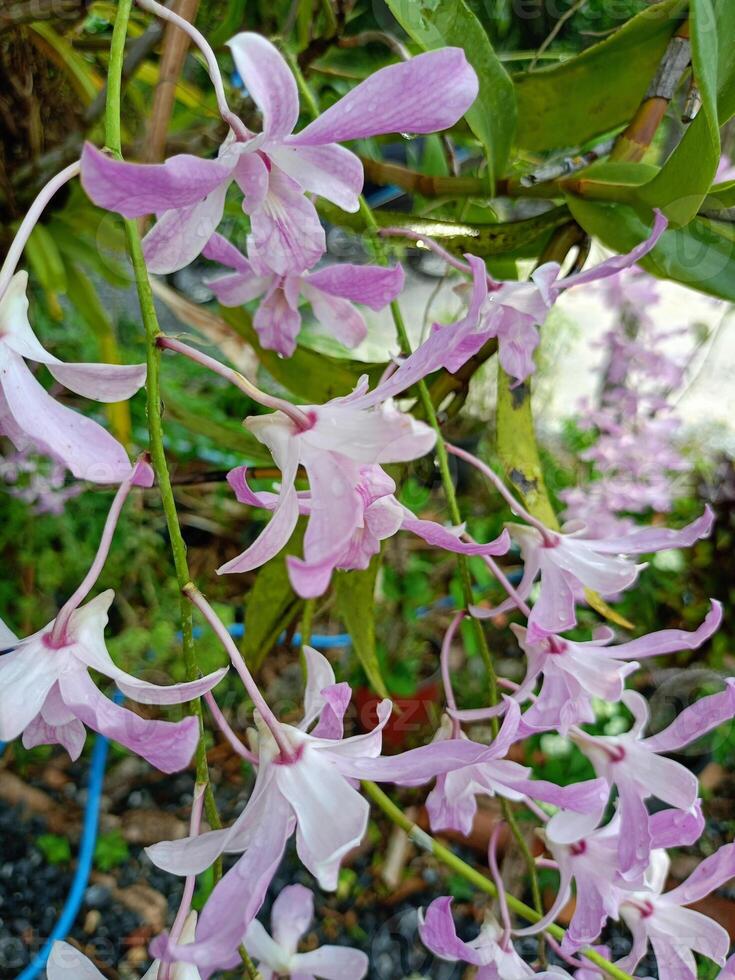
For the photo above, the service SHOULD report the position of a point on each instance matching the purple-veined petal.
(286, 230)
(331, 815)
(269, 82)
(582, 559)
(102, 382)
(87, 626)
(311, 579)
(237, 288)
(330, 171)
(71, 735)
(671, 641)
(648, 539)
(589, 910)
(336, 316)
(358, 747)
(236, 899)
(27, 675)
(372, 285)
(82, 445)
(336, 506)
(637, 925)
(399, 99)
(277, 322)
(695, 931)
(675, 961)
(135, 189)
(449, 539)
(180, 234)
(452, 803)
(67, 963)
(554, 610)
(611, 266)
(417, 766)
(695, 721)
(664, 778)
(291, 915)
(252, 175)
(331, 722)
(331, 963)
(319, 674)
(439, 934)
(567, 827)
(708, 876)
(237, 479)
(280, 527)
(220, 249)
(676, 828)
(169, 746)
(15, 328)
(634, 842)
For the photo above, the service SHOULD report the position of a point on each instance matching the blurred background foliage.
(547, 66)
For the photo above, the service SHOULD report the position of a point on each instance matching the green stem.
(472, 875)
(153, 395)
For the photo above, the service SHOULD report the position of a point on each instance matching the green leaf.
(437, 23)
(272, 604)
(700, 255)
(309, 376)
(110, 851)
(686, 177)
(567, 105)
(55, 849)
(518, 450)
(355, 597)
(720, 197)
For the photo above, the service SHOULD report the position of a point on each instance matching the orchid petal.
(331, 963)
(330, 171)
(648, 539)
(372, 285)
(286, 228)
(676, 828)
(291, 915)
(336, 316)
(135, 189)
(269, 81)
(286, 513)
(695, 721)
(709, 875)
(180, 234)
(265, 950)
(102, 382)
(399, 99)
(331, 815)
(27, 675)
(319, 674)
(277, 322)
(169, 746)
(67, 963)
(439, 935)
(671, 641)
(614, 265)
(82, 445)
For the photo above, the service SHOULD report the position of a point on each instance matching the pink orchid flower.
(312, 792)
(570, 562)
(576, 672)
(592, 863)
(382, 516)
(495, 961)
(634, 764)
(331, 291)
(275, 167)
(67, 963)
(510, 312)
(452, 803)
(349, 502)
(32, 419)
(676, 933)
(291, 916)
(46, 693)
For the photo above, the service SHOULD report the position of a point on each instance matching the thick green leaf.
(436, 23)
(587, 96)
(685, 179)
(720, 197)
(458, 237)
(272, 604)
(309, 376)
(355, 595)
(700, 255)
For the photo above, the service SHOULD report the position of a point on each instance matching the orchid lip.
(580, 847)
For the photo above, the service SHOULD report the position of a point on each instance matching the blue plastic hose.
(87, 845)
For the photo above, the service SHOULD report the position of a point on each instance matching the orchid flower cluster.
(634, 454)
(600, 835)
